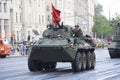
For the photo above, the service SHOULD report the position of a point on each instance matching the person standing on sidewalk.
(22, 49)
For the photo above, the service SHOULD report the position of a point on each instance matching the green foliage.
(98, 9)
(101, 24)
(115, 20)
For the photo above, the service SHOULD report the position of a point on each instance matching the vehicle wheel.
(84, 60)
(3, 56)
(46, 66)
(34, 65)
(49, 66)
(112, 55)
(89, 61)
(53, 65)
(93, 62)
(26, 52)
(77, 63)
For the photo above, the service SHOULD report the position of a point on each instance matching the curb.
(16, 54)
(12, 56)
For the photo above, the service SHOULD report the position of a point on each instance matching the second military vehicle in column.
(114, 47)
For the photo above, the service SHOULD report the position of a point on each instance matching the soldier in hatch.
(77, 32)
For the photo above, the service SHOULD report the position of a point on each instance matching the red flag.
(55, 15)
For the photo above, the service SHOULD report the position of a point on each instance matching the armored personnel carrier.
(58, 45)
(114, 47)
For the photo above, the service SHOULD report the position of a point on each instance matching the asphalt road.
(15, 68)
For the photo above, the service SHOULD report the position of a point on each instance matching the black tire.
(26, 52)
(53, 65)
(34, 66)
(113, 55)
(50, 66)
(3, 56)
(93, 63)
(84, 60)
(89, 61)
(77, 63)
(46, 66)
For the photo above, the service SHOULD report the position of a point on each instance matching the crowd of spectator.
(21, 47)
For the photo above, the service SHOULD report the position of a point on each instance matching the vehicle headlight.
(86, 44)
(71, 45)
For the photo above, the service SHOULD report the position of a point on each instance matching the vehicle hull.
(114, 52)
(52, 54)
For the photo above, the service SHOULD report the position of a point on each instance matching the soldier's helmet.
(76, 26)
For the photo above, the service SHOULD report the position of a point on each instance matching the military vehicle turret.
(114, 47)
(59, 45)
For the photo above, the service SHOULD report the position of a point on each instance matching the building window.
(39, 3)
(11, 1)
(0, 22)
(0, 7)
(5, 7)
(39, 19)
(28, 32)
(42, 19)
(6, 26)
(30, 2)
(48, 8)
(60, 4)
(28, 36)
(16, 17)
(17, 35)
(6, 21)
(30, 18)
(48, 18)
(20, 18)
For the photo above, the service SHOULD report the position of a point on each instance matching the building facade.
(5, 30)
(76, 12)
(67, 10)
(91, 4)
(29, 15)
(26, 16)
(81, 17)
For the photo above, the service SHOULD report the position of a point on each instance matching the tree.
(98, 9)
(115, 20)
(101, 25)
